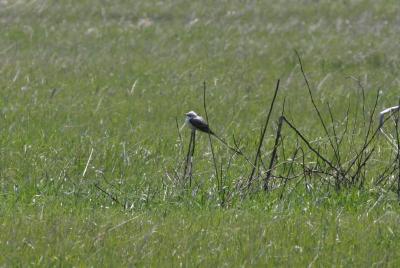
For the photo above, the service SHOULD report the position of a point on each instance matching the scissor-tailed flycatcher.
(382, 115)
(196, 122)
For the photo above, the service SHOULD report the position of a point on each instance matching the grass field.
(91, 160)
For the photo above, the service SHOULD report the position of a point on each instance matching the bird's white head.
(191, 114)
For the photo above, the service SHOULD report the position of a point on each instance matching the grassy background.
(113, 76)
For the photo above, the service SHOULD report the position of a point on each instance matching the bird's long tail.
(226, 144)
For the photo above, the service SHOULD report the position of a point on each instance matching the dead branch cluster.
(339, 158)
(331, 163)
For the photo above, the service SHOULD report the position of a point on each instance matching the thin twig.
(114, 198)
(371, 118)
(188, 156)
(389, 170)
(309, 145)
(289, 171)
(337, 152)
(193, 139)
(345, 125)
(209, 136)
(250, 179)
(361, 165)
(273, 154)
(313, 102)
(366, 141)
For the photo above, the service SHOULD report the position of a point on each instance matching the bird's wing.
(200, 124)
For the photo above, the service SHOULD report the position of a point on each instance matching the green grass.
(67, 70)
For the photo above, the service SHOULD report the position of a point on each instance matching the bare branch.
(250, 179)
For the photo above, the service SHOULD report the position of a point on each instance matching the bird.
(196, 122)
(382, 115)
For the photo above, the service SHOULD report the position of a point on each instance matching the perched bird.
(196, 122)
(382, 115)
